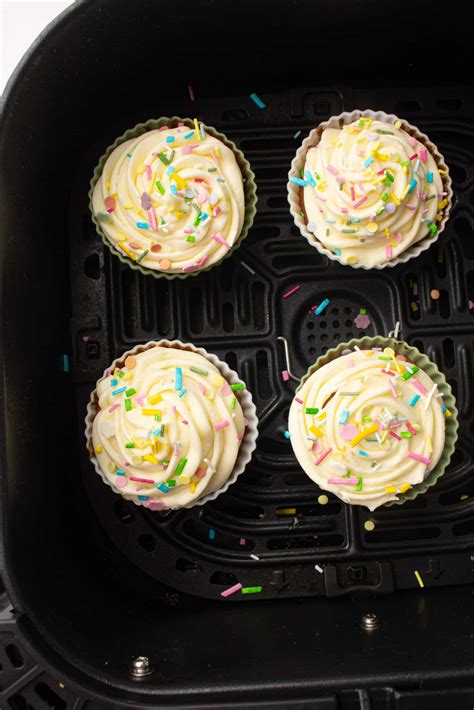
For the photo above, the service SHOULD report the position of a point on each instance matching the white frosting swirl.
(370, 191)
(367, 426)
(171, 199)
(168, 429)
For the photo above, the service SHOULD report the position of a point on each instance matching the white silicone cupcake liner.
(248, 443)
(298, 162)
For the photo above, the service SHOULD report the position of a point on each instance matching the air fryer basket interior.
(94, 584)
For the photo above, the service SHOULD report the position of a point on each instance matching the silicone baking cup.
(247, 445)
(414, 356)
(295, 192)
(249, 186)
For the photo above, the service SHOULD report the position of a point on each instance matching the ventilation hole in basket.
(454, 387)
(129, 292)
(228, 322)
(335, 324)
(206, 534)
(234, 114)
(311, 338)
(226, 579)
(324, 349)
(14, 655)
(238, 509)
(448, 352)
(419, 503)
(439, 261)
(268, 144)
(334, 311)
(231, 360)
(162, 306)
(465, 528)
(48, 696)
(465, 232)
(148, 542)
(310, 325)
(411, 285)
(308, 510)
(275, 446)
(304, 542)
(277, 202)
(183, 565)
(349, 336)
(348, 323)
(195, 310)
(347, 310)
(323, 337)
(444, 306)
(460, 495)
(258, 305)
(450, 104)
(457, 459)
(18, 702)
(312, 351)
(147, 305)
(307, 260)
(273, 172)
(92, 266)
(259, 479)
(323, 324)
(298, 479)
(259, 234)
(123, 511)
(407, 106)
(403, 535)
(321, 108)
(458, 174)
(337, 337)
(263, 378)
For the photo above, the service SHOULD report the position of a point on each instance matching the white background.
(20, 22)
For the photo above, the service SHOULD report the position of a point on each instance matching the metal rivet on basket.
(370, 622)
(140, 667)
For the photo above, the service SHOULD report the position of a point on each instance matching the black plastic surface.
(239, 315)
(83, 574)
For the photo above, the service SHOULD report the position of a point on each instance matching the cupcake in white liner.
(170, 426)
(374, 422)
(369, 190)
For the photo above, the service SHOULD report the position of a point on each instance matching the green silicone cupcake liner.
(250, 193)
(425, 364)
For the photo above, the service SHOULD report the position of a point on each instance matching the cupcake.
(169, 197)
(369, 190)
(169, 426)
(373, 422)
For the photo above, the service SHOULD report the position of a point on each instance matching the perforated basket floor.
(237, 311)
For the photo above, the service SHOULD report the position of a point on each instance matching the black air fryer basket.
(91, 581)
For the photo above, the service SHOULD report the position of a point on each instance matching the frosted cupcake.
(170, 425)
(373, 426)
(369, 190)
(171, 200)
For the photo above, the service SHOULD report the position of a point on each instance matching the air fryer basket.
(92, 581)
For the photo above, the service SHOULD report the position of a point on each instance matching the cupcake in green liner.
(172, 197)
(374, 422)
